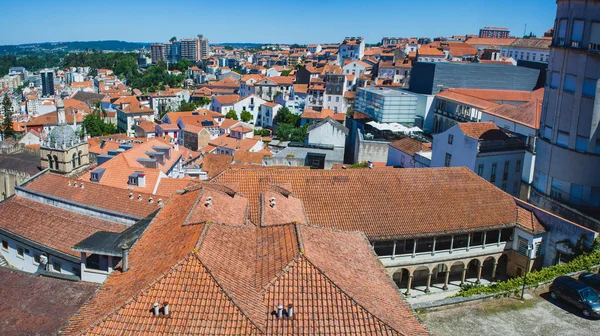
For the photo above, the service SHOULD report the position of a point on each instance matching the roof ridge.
(226, 291)
(146, 288)
(351, 297)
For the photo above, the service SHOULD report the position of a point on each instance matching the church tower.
(64, 151)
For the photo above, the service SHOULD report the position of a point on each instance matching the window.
(447, 160)
(424, 245)
(505, 173)
(493, 174)
(538, 249)
(450, 138)
(570, 83)
(555, 80)
(5, 245)
(577, 33)
(562, 32)
(548, 133)
(20, 252)
(384, 248)
(589, 87)
(503, 186)
(576, 194)
(491, 237)
(506, 235)
(337, 99)
(581, 144)
(56, 266)
(562, 139)
(480, 170)
(36, 259)
(443, 243)
(518, 166)
(460, 241)
(476, 239)
(515, 188)
(595, 37)
(522, 245)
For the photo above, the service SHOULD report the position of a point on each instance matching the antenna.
(525, 30)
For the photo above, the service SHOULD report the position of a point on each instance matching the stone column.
(447, 279)
(464, 275)
(433, 247)
(428, 282)
(479, 269)
(410, 278)
(494, 270)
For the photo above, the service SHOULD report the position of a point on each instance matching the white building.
(404, 153)
(357, 68)
(226, 103)
(494, 154)
(352, 48)
(327, 132)
(266, 113)
(529, 49)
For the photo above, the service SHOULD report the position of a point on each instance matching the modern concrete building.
(47, 76)
(386, 106)
(157, 53)
(189, 49)
(568, 150)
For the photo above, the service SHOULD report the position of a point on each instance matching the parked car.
(591, 279)
(578, 294)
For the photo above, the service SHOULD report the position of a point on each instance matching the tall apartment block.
(47, 77)
(189, 49)
(567, 168)
(203, 47)
(157, 52)
(495, 32)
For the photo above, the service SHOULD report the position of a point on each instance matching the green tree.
(246, 116)
(231, 115)
(289, 132)
(7, 125)
(228, 48)
(95, 125)
(173, 39)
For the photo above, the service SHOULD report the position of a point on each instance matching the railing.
(501, 145)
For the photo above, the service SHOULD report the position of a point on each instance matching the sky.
(308, 21)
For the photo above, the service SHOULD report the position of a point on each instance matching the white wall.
(397, 158)
(463, 149)
(327, 134)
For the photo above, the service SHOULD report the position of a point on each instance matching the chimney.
(272, 202)
(160, 202)
(370, 164)
(208, 202)
(156, 310)
(130, 195)
(81, 185)
(280, 311)
(290, 311)
(139, 197)
(150, 200)
(166, 308)
(125, 257)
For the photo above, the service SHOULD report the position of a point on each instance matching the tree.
(173, 39)
(286, 72)
(96, 126)
(231, 115)
(7, 125)
(246, 116)
(288, 132)
(228, 47)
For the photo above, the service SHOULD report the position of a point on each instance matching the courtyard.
(509, 316)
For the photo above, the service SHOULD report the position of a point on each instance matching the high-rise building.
(174, 52)
(203, 47)
(495, 32)
(47, 76)
(568, 148)
(157, 52)
(189, 49)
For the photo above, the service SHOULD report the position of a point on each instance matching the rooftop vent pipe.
(280, 311)
(208, 202)
(156, 310)
(166, 308)
(272, 202)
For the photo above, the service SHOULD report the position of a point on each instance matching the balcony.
(486, 146)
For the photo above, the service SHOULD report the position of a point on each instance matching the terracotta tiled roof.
(400, 202)
(410, 146)
(301, 88)
(147, 126)
(250, 157)
(227, 99)
(490, 41)
(215, 164)
(51, 119)
(466, 99)
(228, 279)
(500, 95)
(324, 113)
(529, 221)
(50, 226)
(40, 311)
(527, 114)
(101, 196)
(430, 51)
(477, 129)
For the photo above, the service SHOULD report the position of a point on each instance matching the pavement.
(418, 295)
(509, 316)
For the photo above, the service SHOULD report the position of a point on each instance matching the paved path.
(538, 316)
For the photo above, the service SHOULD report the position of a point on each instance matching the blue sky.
(308, 21)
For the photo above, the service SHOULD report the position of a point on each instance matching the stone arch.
(56, 164)
(502, 267)
(50, 162)
(400, 277)
(489, 265)
(74, 160)
(79, 159)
